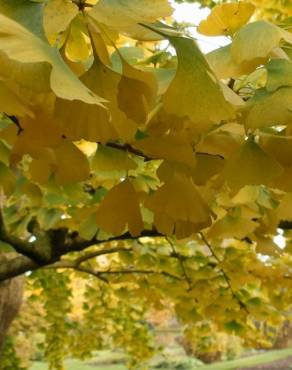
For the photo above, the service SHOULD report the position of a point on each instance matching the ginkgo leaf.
(78, 47)
(284, 182)
(206, 167)
(171, 147)
(140, 85)
(66, 162)
(28, 79)
(38, 133)
(279, 74)
(99, 44)
(57, 16)
(124, 15)
(40, 169)
(224, 66)
(21, 45)
(284, 211)
(256, 40)
(182, 214)
(226, 19)
(266, 246)
(269, 109)
(83, 121)
(119, 210)
(232, 227)
(280, 147)
(112, 159)
(256, 167)
(194, 98)
(71, 164)
(219, 144)
(10, 103)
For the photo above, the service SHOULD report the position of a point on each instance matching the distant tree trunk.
(11, 292)
(284, 337)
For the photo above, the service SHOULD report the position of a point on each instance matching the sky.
(193, 14)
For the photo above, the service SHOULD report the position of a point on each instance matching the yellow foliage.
(57, 16)
(178, 207)
(226, 19)
(125, 16)
(120, 210)
(23, 46)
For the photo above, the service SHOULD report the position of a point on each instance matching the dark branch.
(21, 264)
(16, 266)
(20, 246)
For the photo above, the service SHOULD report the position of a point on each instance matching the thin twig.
(87, 256)
(181, 262)
(223, 272)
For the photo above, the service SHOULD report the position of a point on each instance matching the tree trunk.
(11, 292)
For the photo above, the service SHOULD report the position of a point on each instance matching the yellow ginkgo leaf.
(193, 99)
(11, 103)
(269, 109)
(125, 15)
(182, 214)
(171, 147)
(29, 81)
(266, 246)
(256, 40)
(218, 144)
(40, 169)
(66, 162)
(57, 16)
(21, 45)
(92, 123)
(78, 45)
(99, 44)
(279, 74)
(224, 66)
(136, 86)
(232, 227)
(207, 166)
(112, 159)
(256, 167)
(119, 210)
(71, 164)
(280, 147)
(284, 211)
(226, 19)
(36, 134)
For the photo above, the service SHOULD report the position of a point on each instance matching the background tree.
(156, 175)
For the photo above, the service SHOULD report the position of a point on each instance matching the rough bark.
(11, 292)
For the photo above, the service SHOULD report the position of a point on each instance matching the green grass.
(106, 359)
(79, 365)
(259, 359)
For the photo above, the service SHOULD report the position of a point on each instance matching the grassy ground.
(109, 361)
(260, 359)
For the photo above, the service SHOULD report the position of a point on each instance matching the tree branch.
(20, 246)
(25, 263)
(16, 266)
(130, 149)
